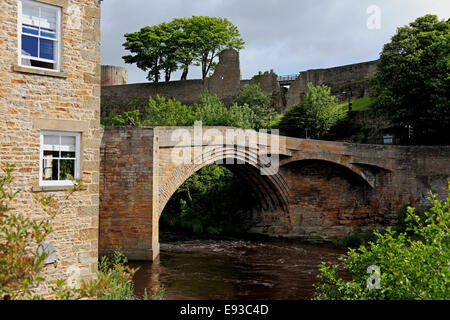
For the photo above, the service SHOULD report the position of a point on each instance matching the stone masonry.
(113, 75)
(226, 83)
(32, 100)
(322, 189)
(340, 79)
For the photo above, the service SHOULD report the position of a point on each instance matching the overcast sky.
(287, 36)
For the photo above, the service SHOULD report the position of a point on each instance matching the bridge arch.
(366, 177)
(271, 191)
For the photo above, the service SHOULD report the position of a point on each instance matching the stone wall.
(113, 75)
(115, 99)
(268, 82)
(226, 83)
(226, 80)
(34, 100)
(339, 79)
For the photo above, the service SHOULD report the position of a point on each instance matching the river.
(233, 269)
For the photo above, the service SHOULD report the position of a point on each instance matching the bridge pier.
(128, 214)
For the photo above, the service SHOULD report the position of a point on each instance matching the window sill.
(49, 73)
(51, 188)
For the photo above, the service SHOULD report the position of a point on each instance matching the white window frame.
(57, 62)
(77, 136)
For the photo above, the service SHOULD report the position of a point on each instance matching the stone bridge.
(306, 189)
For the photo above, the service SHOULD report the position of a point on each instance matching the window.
(39, 35)
(60, 158)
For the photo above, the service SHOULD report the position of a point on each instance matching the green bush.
(416, 267)
(157, 112)
(259, 103)
(354, 240)
(320, 112)
(114, 282)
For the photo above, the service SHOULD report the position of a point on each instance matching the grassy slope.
(358, 104)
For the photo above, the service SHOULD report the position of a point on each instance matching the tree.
(212, 35)
(161, 112)
(259, 103)
(403, 267)
(153, 50)
(178, 44)
(318, 113)
(412, 85)
(185, 54)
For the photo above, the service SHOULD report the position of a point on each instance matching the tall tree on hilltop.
(212, 35)
(154, 50)
(413, 83)
(186, 45)
(180, 43)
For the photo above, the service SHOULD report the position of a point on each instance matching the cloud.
(287, 36)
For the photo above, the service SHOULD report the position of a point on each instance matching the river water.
(231, 269)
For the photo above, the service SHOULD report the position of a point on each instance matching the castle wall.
(113, 75)
(339, 79)
(225, 83)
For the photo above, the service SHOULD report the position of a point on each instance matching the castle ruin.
(350, 81)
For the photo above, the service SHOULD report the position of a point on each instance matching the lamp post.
(307, 133)
(350, 95)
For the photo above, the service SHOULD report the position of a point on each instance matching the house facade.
(50, 120)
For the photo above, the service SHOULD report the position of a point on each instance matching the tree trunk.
(204, 67)
(168, 73)
(185, 73)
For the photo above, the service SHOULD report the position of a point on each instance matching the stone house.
(50, 119)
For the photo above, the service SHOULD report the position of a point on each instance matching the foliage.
(208, 109)
(175, 45)
(354, 240)
(413, 84)
(212, 201)
(114, 282)
(21, 261)
(319, 112)
(116, 278)
(211, 35)
(344, 127)
(410, 268)
(347, 126)
(153, 51)
(157, 112)
(259, 103)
